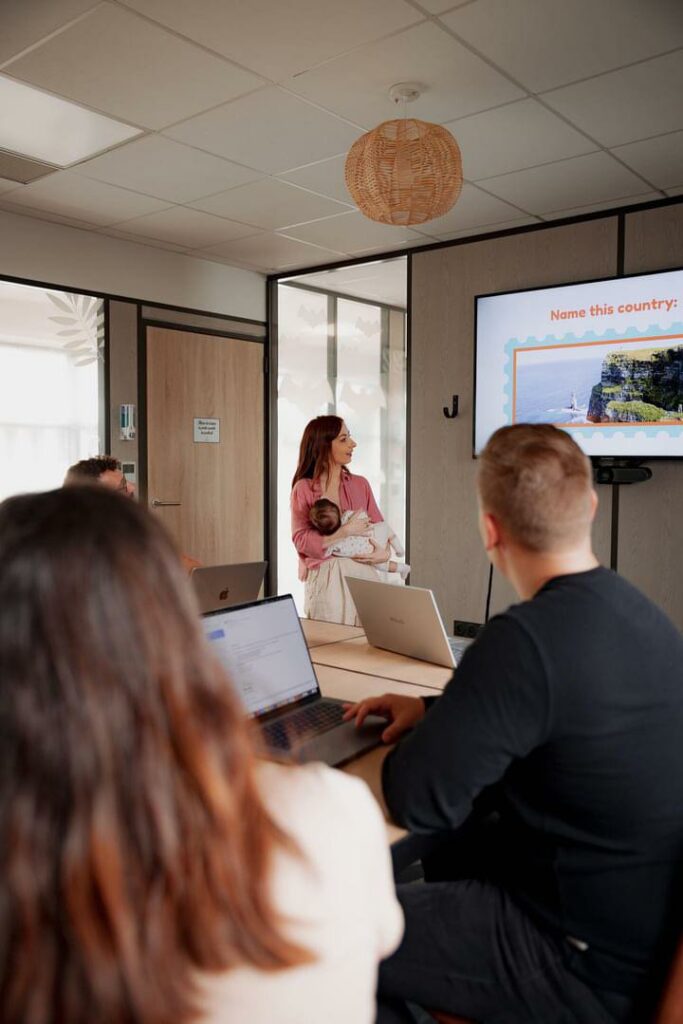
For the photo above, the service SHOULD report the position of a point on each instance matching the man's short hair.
(90, 469)
(537, 482)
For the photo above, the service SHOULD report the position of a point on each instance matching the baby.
(326, 517)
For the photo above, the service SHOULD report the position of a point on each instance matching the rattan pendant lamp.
(404, 171)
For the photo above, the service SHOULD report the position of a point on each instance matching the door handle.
(155, 503)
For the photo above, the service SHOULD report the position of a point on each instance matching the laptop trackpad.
(343, 743)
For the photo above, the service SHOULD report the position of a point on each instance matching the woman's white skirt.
(327, 596)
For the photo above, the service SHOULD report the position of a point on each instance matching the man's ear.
(490, 531)
(594, 503)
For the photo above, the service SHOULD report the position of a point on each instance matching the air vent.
(21, 169)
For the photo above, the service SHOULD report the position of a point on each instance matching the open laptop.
(262, 647)
(405, 620)
(222, 586)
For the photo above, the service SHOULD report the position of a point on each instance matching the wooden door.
(210, 495)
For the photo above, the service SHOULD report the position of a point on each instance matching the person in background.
(105, 469)
(151, 868)
(565, 717)
(325, 453)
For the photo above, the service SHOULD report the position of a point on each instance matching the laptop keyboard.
(311, 720)
(458, 646)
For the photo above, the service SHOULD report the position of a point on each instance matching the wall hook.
(451, 413)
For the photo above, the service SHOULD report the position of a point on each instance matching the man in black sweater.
(566, 715)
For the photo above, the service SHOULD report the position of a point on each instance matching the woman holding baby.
(330, 505)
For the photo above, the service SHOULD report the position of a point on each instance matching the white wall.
(39, 250)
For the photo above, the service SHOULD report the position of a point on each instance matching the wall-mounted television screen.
(602, 360)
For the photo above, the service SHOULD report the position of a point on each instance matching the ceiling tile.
(439, 6)
(351, 233)
(279, 39)
(658, 160)
(381, 250)
(515, 136)
(160, 167)
(575, 211)
(553, 42)
(270, 204)
(70, 195)
(189, 228)
(455, 81)
(674, 191)
(487, 229)
(473, 209)
(627, 105)
(121, 64)
(24, 24)
(270, 130)
(271, 252)
(595, 178)
(325, 177)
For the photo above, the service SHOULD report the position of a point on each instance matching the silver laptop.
(263, 650)
(222, 586)
(405, 620)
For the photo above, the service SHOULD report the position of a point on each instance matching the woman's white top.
(338, 897)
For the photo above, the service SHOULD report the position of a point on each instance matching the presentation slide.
(263, 650)
(603, 360)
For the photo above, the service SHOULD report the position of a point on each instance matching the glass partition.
(51, 354)
(338, 355)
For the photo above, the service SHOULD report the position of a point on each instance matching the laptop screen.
(262, 647)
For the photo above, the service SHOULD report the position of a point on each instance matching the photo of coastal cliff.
(589, 384)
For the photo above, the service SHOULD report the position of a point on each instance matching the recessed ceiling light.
(45, 127)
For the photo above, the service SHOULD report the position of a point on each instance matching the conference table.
(349, 668)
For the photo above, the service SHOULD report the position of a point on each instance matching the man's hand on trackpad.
(402, 713)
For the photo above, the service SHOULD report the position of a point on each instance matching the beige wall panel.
(654, 240)
(446, 552)
(123, 373)
(650, 519)
(602, 528)
(650, 533)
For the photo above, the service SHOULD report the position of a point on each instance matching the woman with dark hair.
(152, 871)
(324, 455)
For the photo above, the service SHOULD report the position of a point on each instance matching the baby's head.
(325, 516)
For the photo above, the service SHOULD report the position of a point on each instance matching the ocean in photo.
(556, 391)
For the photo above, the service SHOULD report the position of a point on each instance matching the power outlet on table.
(467, 629)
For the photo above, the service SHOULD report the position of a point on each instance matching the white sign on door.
(207, 431)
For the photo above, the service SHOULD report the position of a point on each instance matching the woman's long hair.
(316, 447)
(134, 846)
